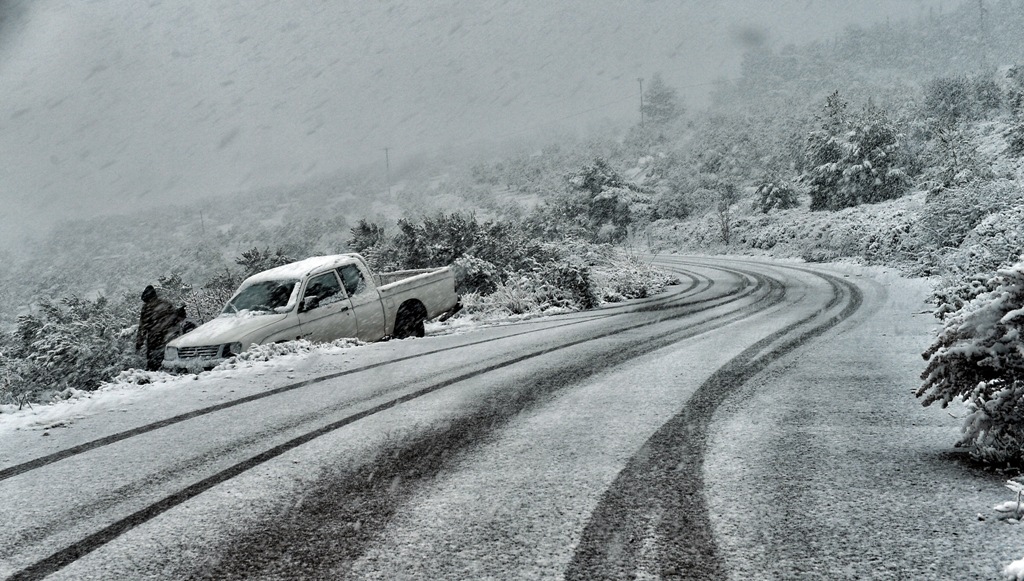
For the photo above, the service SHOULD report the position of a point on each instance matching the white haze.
(107, 105)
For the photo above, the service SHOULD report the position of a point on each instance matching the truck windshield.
(267, 296)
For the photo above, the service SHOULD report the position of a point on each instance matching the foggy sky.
(109, 104)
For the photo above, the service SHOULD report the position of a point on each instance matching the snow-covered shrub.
(627, 276)
(597, 202)
(473, 274)
(436, 241)
(528, 294)
(255, 260)
(959, 98)
(953, 295)
(589, 275)
(952, 158)
(671, 205)
(994, 243)
(775, 193)
(202, 305)
(76, 343)
(950, 214)
(1015, 139)
(979, 357)
(365, 235)
(13, 387)
(573, 280)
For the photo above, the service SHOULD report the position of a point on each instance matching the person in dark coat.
(158, 324)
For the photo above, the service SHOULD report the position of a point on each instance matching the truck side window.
(324, 287)
(352, 278)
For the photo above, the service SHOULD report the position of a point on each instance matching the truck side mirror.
(309, 303)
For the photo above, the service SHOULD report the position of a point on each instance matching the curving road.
(611, 444)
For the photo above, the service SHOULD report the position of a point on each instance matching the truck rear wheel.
(410, 321)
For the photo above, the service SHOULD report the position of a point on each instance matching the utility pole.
(202, 222)
(641, 80)
(982, 33)
(387, 168)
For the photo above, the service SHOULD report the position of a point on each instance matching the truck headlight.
(231, 349)
(170, 353)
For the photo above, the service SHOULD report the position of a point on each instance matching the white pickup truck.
(320, 299)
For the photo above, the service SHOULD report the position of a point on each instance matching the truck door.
(365, 302)
(325, 313)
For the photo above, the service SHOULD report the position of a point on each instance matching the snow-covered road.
(724, 428)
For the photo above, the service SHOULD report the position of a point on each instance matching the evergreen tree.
(854, 159)
(255, 260)
(661, 102)
(824, 152)
(977, 358)
(598, 202)
(365, 235)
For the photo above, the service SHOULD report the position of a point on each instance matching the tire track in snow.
(23, 467)
(64, 557)
(661, 488)
(317, 538)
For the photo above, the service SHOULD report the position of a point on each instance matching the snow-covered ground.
(827, 466)
(138, 388)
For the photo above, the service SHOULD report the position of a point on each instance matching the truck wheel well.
(409, 319)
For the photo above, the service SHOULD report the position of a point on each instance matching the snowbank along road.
(597, 445)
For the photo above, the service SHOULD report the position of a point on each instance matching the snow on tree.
(978, 357)
(949, 215)
(728, 195)
(776, 193)
(954, 159)
(75, 343)
(854, 159)
(255, 260)
(365, 235)
(598, 203)
(825, 152)
(661, 102)
(994, 243)
(960, 98)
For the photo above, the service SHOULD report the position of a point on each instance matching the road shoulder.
(826, 466)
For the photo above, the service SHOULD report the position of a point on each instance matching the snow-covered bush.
(13, 387)
(672, 205)
(627, 276)
(978, 357)
(775, 193)
(952, 296)
(527, 294)
(598, 202)
(950, 214)
(365, 235)
(994, 243)
(589, 276)
(572, 281)
(1015, 139)
(474, 275)
(255, 260)
(960, 98)
(75, 343)
(952, 158)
